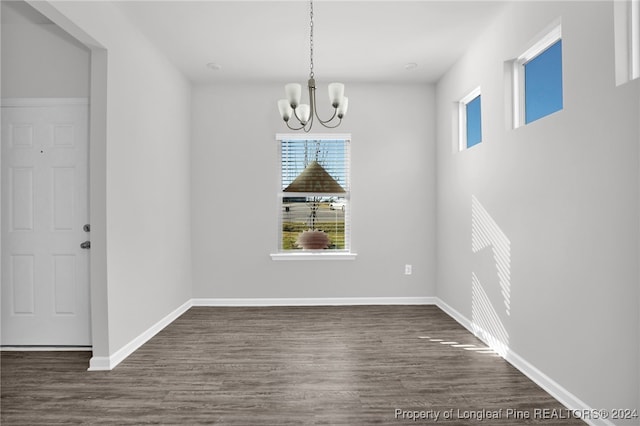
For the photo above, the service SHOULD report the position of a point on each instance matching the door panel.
(21, 198)
(45, 273)
(21, 273)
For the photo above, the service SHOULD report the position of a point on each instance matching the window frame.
(548, 40)
(333, 254)
(462, 118)
(627, 40)
(634, 42)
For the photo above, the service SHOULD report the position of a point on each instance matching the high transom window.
(538, 79)
(470, 119)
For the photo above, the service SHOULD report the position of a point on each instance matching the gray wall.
(554, 204)
(235, 180)
(40, 60)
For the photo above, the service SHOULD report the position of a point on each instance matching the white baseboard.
(321, 301)
(98, 363)
(550, 386)
(454, 314)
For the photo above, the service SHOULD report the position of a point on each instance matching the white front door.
(45, 273)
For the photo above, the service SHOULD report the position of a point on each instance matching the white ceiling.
(355, 41)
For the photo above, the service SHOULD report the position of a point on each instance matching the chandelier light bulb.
(336, 93)
(342, 108)
(285, 109)
(303, 113)
(294, 93)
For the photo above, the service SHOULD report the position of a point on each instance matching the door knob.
(86, 228)
(86, 245)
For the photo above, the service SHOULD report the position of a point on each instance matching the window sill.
(313, 255)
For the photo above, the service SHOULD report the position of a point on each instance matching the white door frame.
(97, 174)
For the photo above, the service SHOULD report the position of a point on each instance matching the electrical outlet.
(407, 269)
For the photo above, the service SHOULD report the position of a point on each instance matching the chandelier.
(305, 113)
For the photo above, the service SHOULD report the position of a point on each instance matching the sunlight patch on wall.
(486, 322)
(486, 233)
(485, 317)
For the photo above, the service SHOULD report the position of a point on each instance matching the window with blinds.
(314, 193)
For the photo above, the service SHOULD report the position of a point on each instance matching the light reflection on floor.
(464, 346)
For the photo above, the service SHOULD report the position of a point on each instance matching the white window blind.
(314, 193)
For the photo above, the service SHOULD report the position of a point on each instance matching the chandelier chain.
(311, 40)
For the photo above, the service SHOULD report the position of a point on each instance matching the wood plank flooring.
(352, 365)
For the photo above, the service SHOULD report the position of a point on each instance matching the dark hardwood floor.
(282, 366)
